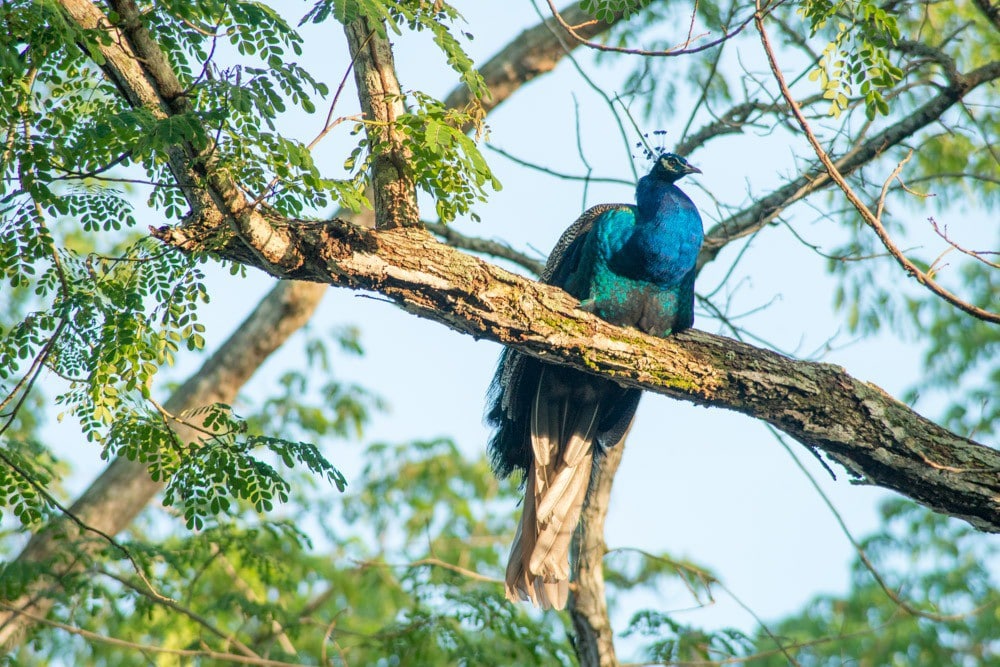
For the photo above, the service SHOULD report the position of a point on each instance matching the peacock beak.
(691, 169)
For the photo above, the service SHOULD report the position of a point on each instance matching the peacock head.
(671, 167)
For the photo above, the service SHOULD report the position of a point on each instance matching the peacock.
(632, 266)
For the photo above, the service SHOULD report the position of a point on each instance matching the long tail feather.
(562, 435)
(579, 448)
(550, 557)
(520, 583)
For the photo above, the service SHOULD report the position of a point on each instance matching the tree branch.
(766, 209)
(878, 439)
(493, 248)
(534, 52)
(576, 32)
(991, 10)
(382, 103)
(221, 656)
(588, 605)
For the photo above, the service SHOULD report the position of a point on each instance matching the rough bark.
(140, 70)
(878, 439)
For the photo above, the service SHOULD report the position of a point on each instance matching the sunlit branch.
(380, 95)
(121, 643)
(471, 575)
(173, 605)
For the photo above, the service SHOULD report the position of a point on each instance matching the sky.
(705, 484)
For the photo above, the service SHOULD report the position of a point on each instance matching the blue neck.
(667, 234)
(656, 199)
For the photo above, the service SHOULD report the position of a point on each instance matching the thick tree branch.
(140, 70)
(125, 69)
(878, 439)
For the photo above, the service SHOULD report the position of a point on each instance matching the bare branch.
(979, 255)
(893, 595)
(871, 219)
(493, 248)
(766, 209)
(534, 52)
(576, 32)
(558, 174)
(435, 562)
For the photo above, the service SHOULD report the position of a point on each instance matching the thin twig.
(680, 49)
(433, 562)
(557, 174)
(977, 254)
(590, 82)
(184, 611)
(710, 579)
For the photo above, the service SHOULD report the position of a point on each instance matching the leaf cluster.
(263, 582)
(26, 468)
(857, 55)
(675, 642)
(446, 161)
(608, 10)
